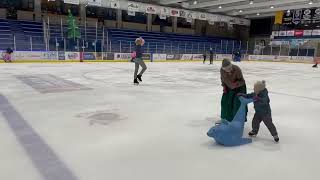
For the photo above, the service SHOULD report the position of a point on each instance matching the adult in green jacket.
(233, 83)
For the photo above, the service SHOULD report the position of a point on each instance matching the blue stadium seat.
(155, 41)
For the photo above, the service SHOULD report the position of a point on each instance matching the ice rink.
(89, 122)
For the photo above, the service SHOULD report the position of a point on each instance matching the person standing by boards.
(211, 56)
(137, 58)
(204, 57)
(7, 55)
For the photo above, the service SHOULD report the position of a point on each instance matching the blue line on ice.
(49, 165)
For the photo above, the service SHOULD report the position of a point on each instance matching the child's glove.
(256, 98)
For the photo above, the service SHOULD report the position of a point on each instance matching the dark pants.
(230, 103)
(204, 59)
(267, 120)
(211, 59)
(139, 62)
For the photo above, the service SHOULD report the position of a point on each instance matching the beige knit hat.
(226, 65)
(259, 86)
(140, 41)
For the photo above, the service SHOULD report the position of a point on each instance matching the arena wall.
(60, 56)
(3, 13)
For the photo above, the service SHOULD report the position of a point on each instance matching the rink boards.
(54, 57)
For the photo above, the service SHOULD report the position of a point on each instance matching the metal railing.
(100, 44)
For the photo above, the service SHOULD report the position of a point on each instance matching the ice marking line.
(302, 97)
(46, 83)
(49, 165)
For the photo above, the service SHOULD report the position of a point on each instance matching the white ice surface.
(161, 131)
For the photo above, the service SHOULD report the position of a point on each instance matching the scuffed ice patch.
(101, 117)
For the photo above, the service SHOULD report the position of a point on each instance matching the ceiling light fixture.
(251, 2)
(240, 11)
(272, 7)
(310, 2)
(195, 2)
(258, 14)
(220, 7)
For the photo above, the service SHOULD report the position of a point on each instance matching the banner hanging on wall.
(132, 6)
(203, 16)
(76, 2)
(189, 15)
(301, 16)
(115, 4)
(183, 13)
(95, 2)
(174, 12)
(287, 18)
(278, 17)
(194, 15)
(131, 13)
(306, 17)
(163, 16)
(244, 22)
(212, 18)
(316, 16)
(165, 11)
(189, 20)
(296, 18)
(160, 10)
(151, 9)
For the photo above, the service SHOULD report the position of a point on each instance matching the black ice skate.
(315, 66)
(139, 78)
(252, 134)
(276, 138)
(135, 82)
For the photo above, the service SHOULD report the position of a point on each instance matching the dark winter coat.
(139, 51)
(262, 104)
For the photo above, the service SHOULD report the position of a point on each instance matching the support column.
(149, 22)
(193, 23)
(174, 24)
(83, 13)
(119, 18)
(37, 10)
